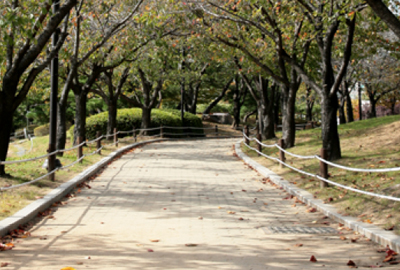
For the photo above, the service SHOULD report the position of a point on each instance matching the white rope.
(325, 161)
(326, 180)
(126, 132)
(248, 138)
(30, 159)
(95, 140)
(149, 129)
(53, 171)
(357, 169)
(265, 145)
(30, 182)
(72, 148)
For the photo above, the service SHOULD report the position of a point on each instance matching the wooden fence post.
(134, 133)
(216, 130)
(259, 146)
(115, 137)
(98, 145)
(80, 148)
(323, 168)
(282, 157)
(247, 134)
(161, 131)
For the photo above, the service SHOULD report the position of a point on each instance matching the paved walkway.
(205, 208)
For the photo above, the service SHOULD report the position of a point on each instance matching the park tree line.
(145, 53)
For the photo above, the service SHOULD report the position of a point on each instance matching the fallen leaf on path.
(311, 210)
(394, 262)
(351, 263)
(244, 190)
(390, 228)
(298, 245)
(4, 264)
(79, 263)
(265, 203)
(353, 240)
(191, 245)
(343, 238)
(87, 258)
(231, 212)
(241, 218)
(389, 258)
(313, 259)
(200, 217)
(150, 250)
(7, 246)
(154, 240)
(68, 268)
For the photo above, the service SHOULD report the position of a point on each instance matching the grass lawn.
(373, 143)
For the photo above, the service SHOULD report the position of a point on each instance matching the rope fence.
(323, 177)
(142, 133)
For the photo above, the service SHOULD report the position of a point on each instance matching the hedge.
(129, 118)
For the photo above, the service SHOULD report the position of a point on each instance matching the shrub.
(42, 130)
(219, 108)
(127, 119)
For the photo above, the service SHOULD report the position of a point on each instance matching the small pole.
(259, 146)
(216, 130)
(161, 131)
(98, 145)
(80, 148)
(115, 137)
(281, 153)
(134, 133)
(247, 134)
(275, 127)
(323, 167)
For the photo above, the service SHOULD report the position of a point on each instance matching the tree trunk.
(372, 109)
(330, 135)
(80, 116)
(349, 108)
(236, 113)
(277, 107)
(112, 117)
(6, 122)
(218, 99)
(342, 117)
(61, 127)
(288, 120)
(266, 121)
(392, 106)
(359, 104)
(248, 115)
(146, 120)
(310, 104)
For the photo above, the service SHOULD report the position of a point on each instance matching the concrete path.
(187, 205)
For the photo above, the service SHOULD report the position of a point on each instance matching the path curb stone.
(374, 233)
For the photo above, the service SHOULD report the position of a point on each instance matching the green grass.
(373, 143)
